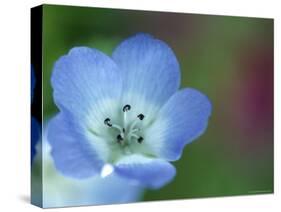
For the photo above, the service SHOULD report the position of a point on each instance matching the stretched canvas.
(130, 105)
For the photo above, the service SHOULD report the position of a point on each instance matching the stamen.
(126, 108)
(141, 116)
(133, 125)
(119, 138)
(127, 131)
(140, 139)
(107, 122)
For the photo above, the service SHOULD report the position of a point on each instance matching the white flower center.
(126, 133)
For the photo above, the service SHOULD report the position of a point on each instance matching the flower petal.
(35, 136)
(181, 120)
(73, 155)
(83, 77)
(62, 191)
(148, 67)
(149, 172)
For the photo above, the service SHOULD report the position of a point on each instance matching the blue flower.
(62, 191)
(35, 136)
(35, 128)
(124, 113)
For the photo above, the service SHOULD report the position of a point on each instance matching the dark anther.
(107, 122)
(141, 116)
(126, 108)
(140, 139)
(123, 130)
(119, 138)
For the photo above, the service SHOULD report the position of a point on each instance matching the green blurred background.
(228, 58)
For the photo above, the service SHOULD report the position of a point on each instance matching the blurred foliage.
(226, 160)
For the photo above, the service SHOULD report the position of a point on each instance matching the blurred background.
(228, 58)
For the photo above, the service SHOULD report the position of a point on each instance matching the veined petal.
(181, 120)
(149, 172)
(72, 153)
(84, 77)
(149, 68)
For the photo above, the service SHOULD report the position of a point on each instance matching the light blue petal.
(181, 120)
(82, 78)
(149, 172)
(114, 189)
(73, 155)
(149, 68)
(63, 191)
(35, 136)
